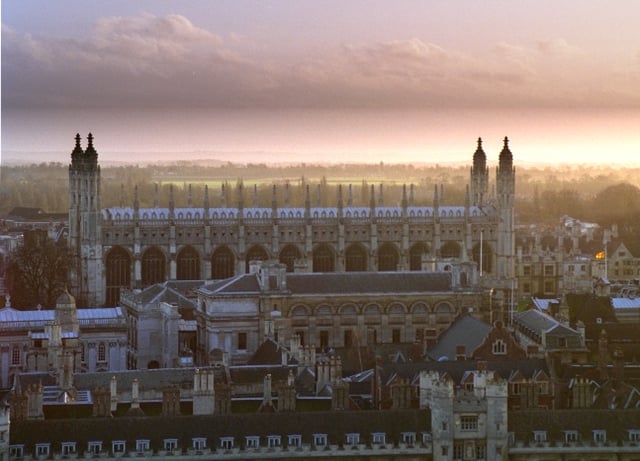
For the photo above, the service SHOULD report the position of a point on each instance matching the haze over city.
(305, 81)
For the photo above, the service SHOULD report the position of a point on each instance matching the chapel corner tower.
(85, 236)
(479, 177)
(505, 203)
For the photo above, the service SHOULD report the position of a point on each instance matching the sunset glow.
(322, 81)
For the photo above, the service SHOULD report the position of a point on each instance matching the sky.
(332, 80)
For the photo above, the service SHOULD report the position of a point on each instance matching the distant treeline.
(598, 194)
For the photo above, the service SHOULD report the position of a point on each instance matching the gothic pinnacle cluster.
(129, 247)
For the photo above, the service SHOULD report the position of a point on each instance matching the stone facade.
(133, 247)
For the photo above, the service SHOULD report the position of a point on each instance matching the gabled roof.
(539, 322)
(465, 331)
(340, 283)
(161, 292)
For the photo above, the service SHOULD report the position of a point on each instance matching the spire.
(286, 195)
(404, 196)
(90, 150)
(506, 157)
(411, 196)
(77, 150)
(223, 197)
(350, 197)
(381, 197)
(121, 195)
(307, 203)
(136, 201)
(189, 198)
(155, 196)
(172, 204)
(255, 196)
(319, 196)
(479, 158)
(206, 198)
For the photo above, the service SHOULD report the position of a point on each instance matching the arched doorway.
(154, 267)
(118, 274)
(324, 259)
(388, 257)
(255, 253)
(415, 256)
(355, 258)
(222, 263)
(450, 249)
(289, 255)
(188, 264)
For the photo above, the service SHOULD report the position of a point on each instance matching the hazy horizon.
(341, 82)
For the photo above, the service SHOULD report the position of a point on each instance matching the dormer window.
(294, 440)
(539, 436)
(352, 438)
(252, 441)
(320, 440)
(599, 436)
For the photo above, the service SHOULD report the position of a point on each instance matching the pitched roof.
(465, 331)
(342, 283)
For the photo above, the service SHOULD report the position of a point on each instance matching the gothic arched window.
(153, 267)
(255, 253)
(415, 256)
(388, 257)
(188, 264)
(118, 274)
(355, 259)
(288, 256)
(323, 259)
(222, 263)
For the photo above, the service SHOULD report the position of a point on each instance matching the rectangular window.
(199, 443)
(320, 440)
(469, 423)
(300, 334)
(16, 451)
(379, 438)
(274, 441)
(548, 270)
(352, 438)
(444, 450)
(324, 339)
(634, 435)
(395, 336)
(408, 437)
(481, 451)
(570, 436)
(142, 445)
(419, 335)
(526, 287)
(102, 352)
(526, 270)
(68, 448)
(42, 449)
(599, 436)
(226, 443)
(15, 355)
(294, 440)
(170, 444)
(540, 436)
(242, 341)
(458, 450)
(252, 441)
(348, 338)
(444, 426)
(94, 447)
(118, 446)
(549, 286)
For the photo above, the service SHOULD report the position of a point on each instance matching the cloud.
(152, 61)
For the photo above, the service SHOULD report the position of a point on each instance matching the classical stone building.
(134, 247)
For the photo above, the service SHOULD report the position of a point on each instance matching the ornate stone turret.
(85, 234)
(479, 176)
(505, 191)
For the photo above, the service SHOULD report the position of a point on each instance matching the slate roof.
(161, 292)
(147, 379)
(616, 423)
(342, 283)
(184, 428)
(11, 318)
(539, 322)
(465, 330)
(455, 369)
